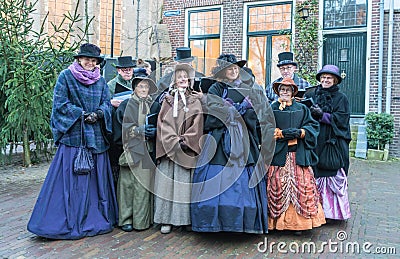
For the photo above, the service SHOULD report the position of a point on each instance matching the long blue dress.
(72, 206)
(229, 191)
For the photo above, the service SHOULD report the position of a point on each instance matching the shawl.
(70, 98)
(333, 101)
(128, 117)
(187, 127)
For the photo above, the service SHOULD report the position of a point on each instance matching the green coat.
(118, 79)
(305, 154)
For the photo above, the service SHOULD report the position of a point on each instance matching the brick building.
(252, 30)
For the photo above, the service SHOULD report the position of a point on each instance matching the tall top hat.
(91, 51)
(125, 62)
(330, 69)
(286, 58)
(226, 60)
(183, 54)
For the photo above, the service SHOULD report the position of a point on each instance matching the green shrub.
(380, 129)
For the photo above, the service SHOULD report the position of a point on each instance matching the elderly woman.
(292, 192)
(332, 111)
(224, 196)
(137, 137)
(179, 128)
(71, 205)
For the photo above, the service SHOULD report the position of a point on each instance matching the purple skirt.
(73, 206)
(335, 200)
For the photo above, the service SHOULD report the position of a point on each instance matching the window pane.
(280, 44)
(339, 13)
(203, 23)
(206, 52)
(270, 17)
(256, 60)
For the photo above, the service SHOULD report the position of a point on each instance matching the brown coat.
(187, 127)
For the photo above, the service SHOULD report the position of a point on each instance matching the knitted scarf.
(323, 97)
(86, 77)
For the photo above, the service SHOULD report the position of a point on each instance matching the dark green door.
(348, 52)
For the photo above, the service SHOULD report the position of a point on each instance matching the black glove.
(291, 133)
(100, 114)
(183, 145)
(140, 130)
(150, 131)
(316, 112)
(90, 117)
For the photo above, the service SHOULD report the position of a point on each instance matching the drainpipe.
(380, 56)
(112, 28)
(389, 74)
(137, 29)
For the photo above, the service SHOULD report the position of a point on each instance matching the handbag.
(331, 157)
(83, 161)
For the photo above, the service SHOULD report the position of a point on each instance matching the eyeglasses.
(285, 90)
(127, 69)
(286, 68)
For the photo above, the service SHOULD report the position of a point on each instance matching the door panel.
(348, 52)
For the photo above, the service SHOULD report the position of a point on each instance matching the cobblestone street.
(375, 225)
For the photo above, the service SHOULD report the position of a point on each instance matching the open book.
(121, 92)
(288, 119)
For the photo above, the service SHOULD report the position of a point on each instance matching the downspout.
(137, 29)
(112, 28)
(389, 74)
(380, 56)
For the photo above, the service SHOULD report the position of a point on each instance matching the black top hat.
(137, 79)
(91, 51)
(286, 58)
(226, 60)
(124, 62)
(183, 54)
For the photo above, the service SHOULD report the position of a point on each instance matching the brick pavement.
(373, 190)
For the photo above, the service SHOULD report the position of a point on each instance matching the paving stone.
(373, 191)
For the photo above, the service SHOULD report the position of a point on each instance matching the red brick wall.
(232, 38)
(232, 27)
(374, 70)
(395, 95)
(374, 62)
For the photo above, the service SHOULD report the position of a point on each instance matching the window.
(345, 13)
(270, 17)
(267, 26)
(204, 37)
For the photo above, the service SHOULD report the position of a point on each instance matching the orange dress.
(293, 199)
